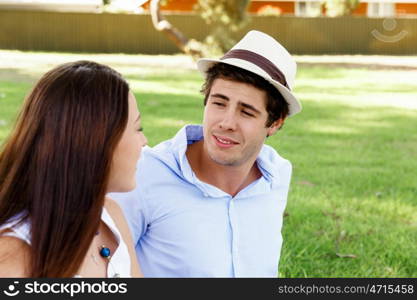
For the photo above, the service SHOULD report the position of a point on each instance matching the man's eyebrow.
(245, 105)
(249, 107)
(224, 97)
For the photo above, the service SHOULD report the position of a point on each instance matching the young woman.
(77, 138)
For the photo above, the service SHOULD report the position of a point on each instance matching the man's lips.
(223, 141)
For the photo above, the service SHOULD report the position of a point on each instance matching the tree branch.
(190, 47)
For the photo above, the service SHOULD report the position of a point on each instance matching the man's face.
(234, 122)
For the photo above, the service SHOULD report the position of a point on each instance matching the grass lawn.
(352, 207)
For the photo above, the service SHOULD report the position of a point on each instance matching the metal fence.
(129, 33)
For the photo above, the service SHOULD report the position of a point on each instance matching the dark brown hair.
(276, 106)
(54, 167)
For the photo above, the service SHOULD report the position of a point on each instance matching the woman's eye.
(140, 129)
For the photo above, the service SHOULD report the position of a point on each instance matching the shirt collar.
(185, 136)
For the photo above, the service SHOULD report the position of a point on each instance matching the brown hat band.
(262, 62)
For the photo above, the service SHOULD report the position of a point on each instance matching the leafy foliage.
(337, 8)
(225, 17)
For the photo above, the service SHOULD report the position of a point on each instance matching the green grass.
(352, 206)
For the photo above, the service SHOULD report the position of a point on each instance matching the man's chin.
(224, 161)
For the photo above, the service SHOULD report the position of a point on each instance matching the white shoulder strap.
(15, 229)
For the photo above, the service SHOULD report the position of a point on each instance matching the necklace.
(104, 252)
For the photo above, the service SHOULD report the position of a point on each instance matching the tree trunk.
(190, 47)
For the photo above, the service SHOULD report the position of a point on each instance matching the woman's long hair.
(54, 167)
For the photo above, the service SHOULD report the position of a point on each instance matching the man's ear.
(275, 126)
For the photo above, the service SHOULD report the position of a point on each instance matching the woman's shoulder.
(114, 210)
(116, 213)
(14, 257)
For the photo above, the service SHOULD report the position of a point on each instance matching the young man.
(210, 201)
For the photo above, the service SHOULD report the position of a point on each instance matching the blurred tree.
(225, 17)
(337, 8)
(190, 47)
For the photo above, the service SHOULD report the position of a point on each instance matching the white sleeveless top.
(119, 263)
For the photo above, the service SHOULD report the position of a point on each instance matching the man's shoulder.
(271, 156)
(274, 164)
(158, 163)
(169, 154)
(156, 157)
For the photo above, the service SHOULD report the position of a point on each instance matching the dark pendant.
(105, 252)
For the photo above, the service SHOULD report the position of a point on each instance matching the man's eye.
(247, 113)
(218, 103)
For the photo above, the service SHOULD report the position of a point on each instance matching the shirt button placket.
(234, 230)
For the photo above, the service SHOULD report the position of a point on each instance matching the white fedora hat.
(261, 54)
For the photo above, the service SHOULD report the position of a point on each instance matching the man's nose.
(228, 121)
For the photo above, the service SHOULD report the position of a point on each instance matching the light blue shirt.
(183, 227)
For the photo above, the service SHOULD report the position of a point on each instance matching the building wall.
(128, 33)
(177, 5)
(361, 10)
(406, 8)
(254, 7)
(286, 7)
